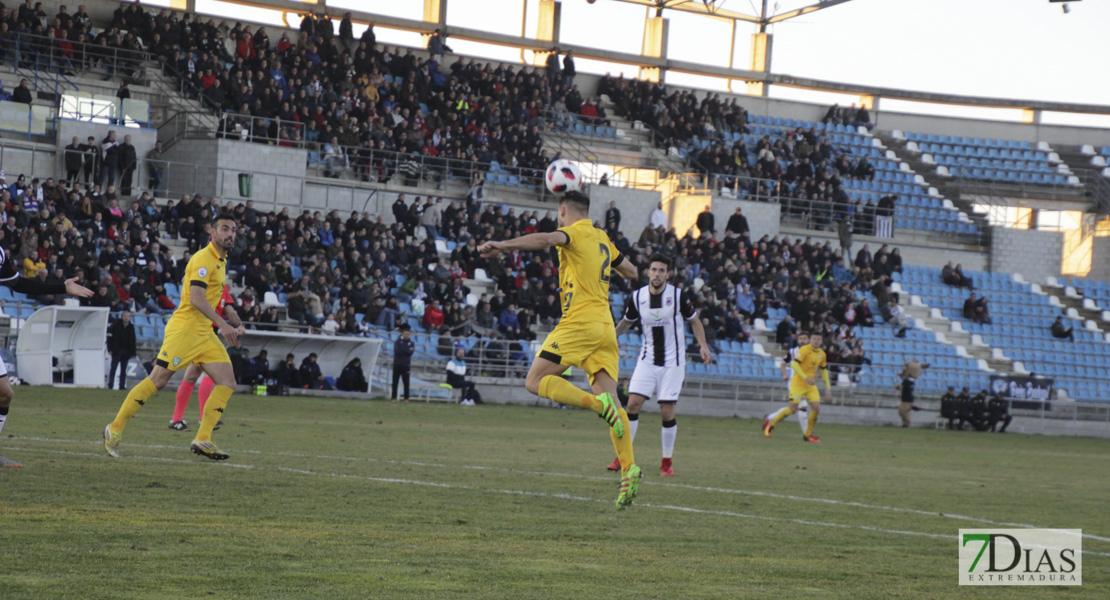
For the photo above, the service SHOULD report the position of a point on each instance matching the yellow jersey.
(806, 363)
(207, 270)
(584, 269)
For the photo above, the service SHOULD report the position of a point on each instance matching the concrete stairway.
(951, 332)
(1074, 306)
(946, 187)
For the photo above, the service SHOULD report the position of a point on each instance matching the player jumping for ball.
(585, 336)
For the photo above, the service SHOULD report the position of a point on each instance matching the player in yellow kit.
(190, 339)
(808, 360)
(585, 336)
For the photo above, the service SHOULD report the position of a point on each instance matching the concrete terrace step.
(951, 333)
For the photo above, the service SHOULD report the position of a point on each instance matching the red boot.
(666, 470)
(615, 465)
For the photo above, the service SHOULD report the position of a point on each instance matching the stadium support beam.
(435, 11)
(761, 62)
(654, 46)
(547, 28)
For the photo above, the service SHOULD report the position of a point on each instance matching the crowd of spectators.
(803, 166)
(356, 102)
(356, 95)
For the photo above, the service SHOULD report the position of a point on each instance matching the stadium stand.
(486, 125)
(1020, 328)
(1006, 161)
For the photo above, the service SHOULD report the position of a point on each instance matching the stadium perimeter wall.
(1100, 259)
(1034, 254)
(885, 413)
(913, 253)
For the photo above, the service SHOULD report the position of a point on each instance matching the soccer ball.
(563, 176)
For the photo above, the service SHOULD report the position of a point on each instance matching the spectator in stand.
(1061, 331)
(612, 219)
(331, 325)
(864, 316)
(22, 93)
(509, 323)
(893, 315)
(844, 232)
(954, 276)
(659, 218)
(706, 222)
(975, 309)
(569, 70)
(863, 257)
(785, 332)
(433, 316)
(122, 346)
(551, 65)
(156, 164)
(737, 224)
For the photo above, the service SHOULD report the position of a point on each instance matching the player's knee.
(815, 407)
(532, 384)
(6, 396)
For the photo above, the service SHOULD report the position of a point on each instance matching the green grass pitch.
(331, 498)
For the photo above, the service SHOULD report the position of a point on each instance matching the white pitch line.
(559, 496)
(686, 486)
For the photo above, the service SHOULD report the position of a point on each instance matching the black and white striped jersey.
(661, 320)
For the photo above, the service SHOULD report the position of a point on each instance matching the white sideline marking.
(687, 486)
(418, 482)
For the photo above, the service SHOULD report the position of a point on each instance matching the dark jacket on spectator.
(121, 339)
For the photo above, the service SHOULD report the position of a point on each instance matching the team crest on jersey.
(176, 362)
(203, 272)
(668, 301)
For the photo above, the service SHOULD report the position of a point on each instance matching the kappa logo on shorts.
(176, 362)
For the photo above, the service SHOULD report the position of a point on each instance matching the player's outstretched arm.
(532, 241)
(626, 269)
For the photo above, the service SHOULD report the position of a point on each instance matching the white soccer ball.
(563, 176)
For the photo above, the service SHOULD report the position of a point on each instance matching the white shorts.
(648, 379)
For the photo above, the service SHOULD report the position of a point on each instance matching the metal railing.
(58, 56)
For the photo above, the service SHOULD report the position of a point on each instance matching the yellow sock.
(623, 445)
(135, 400)
(562, 391)
(812, 422)
(213, 410)
(782, 414)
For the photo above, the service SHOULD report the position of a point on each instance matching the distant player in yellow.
(585, 336)
(808, 360)
(190, 339)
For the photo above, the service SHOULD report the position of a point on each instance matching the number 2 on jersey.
(605, 265)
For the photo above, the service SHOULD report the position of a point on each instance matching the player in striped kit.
(660, 309)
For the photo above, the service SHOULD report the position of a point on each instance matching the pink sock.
(184, 392)
(206, 385)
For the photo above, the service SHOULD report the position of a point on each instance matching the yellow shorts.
(805, 392)
(179, 348)
(591, 347)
